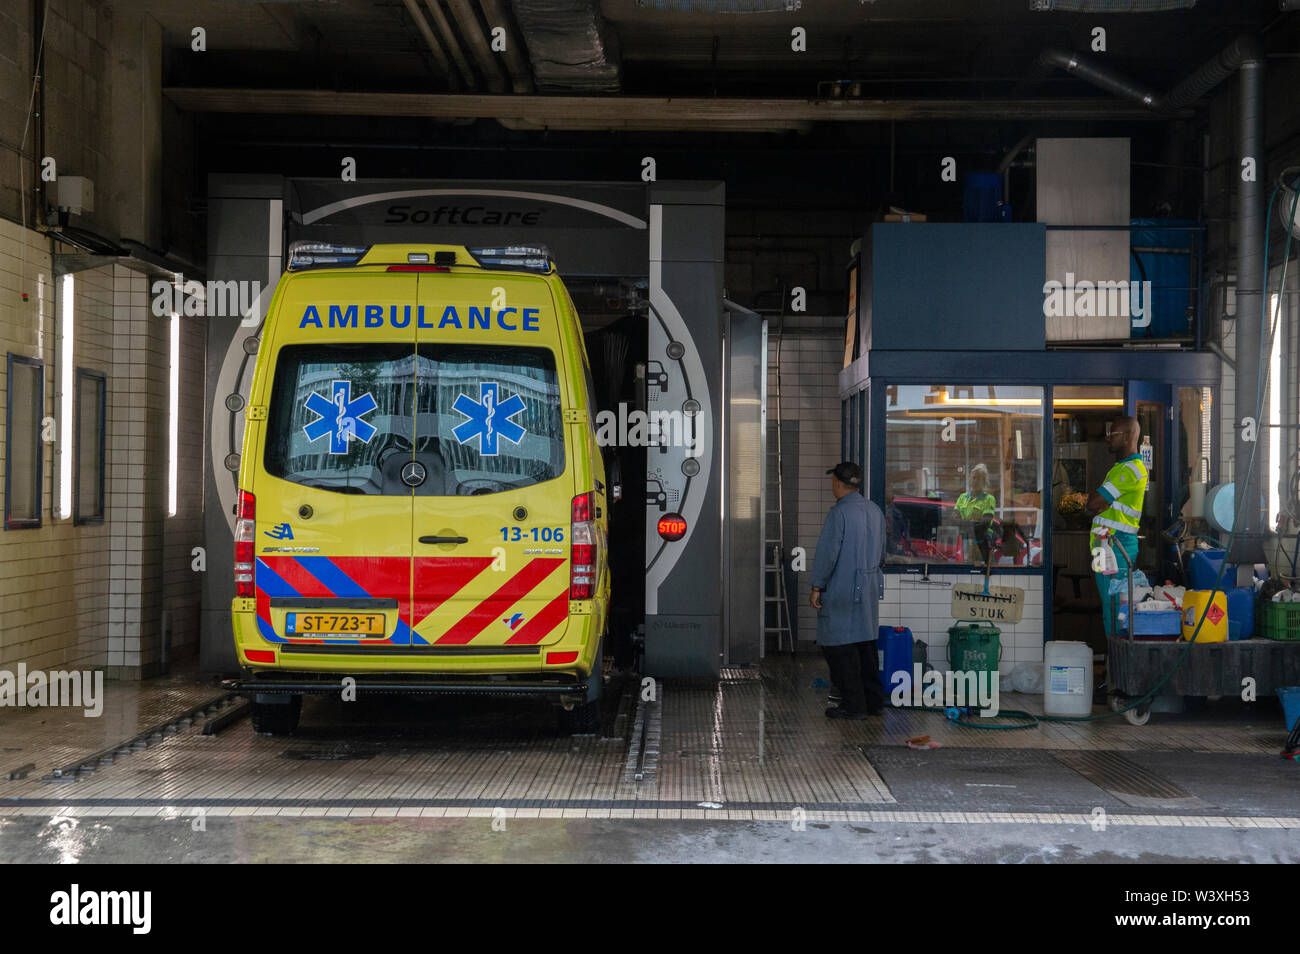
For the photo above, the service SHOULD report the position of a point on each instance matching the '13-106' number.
(543, 534)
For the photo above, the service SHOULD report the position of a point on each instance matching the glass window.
(88, 472)
(346, 418)
(25, 402)
(963, 474)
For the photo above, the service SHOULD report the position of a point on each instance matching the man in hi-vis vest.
(1116, 507)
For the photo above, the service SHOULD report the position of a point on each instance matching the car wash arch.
(644, 265)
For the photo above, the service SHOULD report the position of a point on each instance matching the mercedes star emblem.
(413, 473)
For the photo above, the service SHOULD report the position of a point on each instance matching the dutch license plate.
(334, 624)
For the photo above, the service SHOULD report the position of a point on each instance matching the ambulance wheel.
(276, 718)
(582, 719)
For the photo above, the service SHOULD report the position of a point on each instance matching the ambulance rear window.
(476, 419)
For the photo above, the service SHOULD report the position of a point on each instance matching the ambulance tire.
(276, 718)
(582, 719)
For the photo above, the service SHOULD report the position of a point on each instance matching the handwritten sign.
(1002, 604)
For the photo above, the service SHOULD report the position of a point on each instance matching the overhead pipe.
(449, 41)
(1243, 49)
(1245, 57)
(430, 41)
(521, 73)
(1100, 76)
(472, 32)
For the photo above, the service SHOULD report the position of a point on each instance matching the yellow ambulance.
(422, 502)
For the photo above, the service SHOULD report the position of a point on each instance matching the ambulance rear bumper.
(558, 686)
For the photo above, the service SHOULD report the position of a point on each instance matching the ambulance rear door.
(492, 517)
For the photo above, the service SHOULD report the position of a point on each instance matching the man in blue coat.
(847, 583)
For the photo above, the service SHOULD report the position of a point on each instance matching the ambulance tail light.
(244, 538)
(582, 550)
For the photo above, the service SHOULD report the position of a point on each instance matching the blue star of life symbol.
(489, 418)
(340, 417)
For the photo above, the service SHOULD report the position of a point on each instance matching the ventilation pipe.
(1248, 542)
(516, 63)
(449, 41)
(430, 41)
(467, 21)
(1244, 56)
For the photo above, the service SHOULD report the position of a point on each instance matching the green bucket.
(974, 647)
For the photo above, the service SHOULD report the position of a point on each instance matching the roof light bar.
(533, 258)
(310, 254)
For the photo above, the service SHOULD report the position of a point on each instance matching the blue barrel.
(894, 644)
(981, 193)
(1241, 612)
(1203, 570)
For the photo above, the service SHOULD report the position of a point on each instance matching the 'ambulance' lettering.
(399, 316)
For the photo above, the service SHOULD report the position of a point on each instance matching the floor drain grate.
(150, 736)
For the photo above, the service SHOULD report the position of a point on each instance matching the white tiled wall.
(812, 353)
(92, 595)
(925, 609)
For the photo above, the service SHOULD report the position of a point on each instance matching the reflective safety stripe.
(1110, 489)
(1112, 524)
(1125, 509)
(1136, 467)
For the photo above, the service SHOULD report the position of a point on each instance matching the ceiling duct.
(1228, 61)
(1244, 56)
(720, 6)
(571, 46)
(1111, 6)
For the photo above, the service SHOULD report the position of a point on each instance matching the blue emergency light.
(309, 254)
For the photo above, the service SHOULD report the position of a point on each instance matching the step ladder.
(774, 548)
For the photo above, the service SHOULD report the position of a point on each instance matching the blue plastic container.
(1203, 570)
(1241, 612)
(894, 645)
(1166, 623)
(981, 193)
(1290, 705)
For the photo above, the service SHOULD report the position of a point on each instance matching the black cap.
(848, 473)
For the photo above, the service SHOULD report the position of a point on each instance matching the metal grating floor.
(753, 746)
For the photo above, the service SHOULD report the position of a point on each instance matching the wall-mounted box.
(75, 194)
(968, 286)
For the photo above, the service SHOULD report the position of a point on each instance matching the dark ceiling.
(587, 88)
(926, 48)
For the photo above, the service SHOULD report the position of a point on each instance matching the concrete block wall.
(92, 595)
(103, 117)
